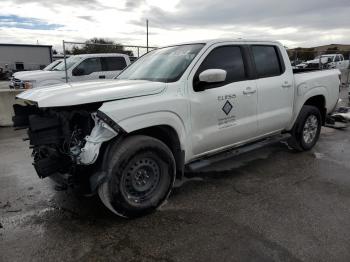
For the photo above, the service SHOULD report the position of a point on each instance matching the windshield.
(52, 65)
(70, 62)
(162, 65)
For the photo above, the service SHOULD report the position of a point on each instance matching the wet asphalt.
(271, 204)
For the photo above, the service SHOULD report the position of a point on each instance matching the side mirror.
(78, 72)
(213, 76)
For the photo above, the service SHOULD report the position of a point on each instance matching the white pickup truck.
(327, 61)
(79, 68)
(131, 137)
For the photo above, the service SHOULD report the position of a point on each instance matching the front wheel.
(307, 128)
(140, 177)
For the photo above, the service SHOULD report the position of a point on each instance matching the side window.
(88, 66)
(267, 61)
(113, 63)
(228, 58)
(337, 58)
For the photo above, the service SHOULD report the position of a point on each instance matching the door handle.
(101, 77)
(248, 92)
(286, 85)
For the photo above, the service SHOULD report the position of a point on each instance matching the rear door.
(275, 88)
(224, 113)
(112, 66)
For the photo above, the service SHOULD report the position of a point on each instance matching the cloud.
(133, 4)
(309, 14)
(26, 23)
(86, 17)
(78, 3)
(295, 23)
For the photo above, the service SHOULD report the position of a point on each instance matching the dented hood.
(90, 91)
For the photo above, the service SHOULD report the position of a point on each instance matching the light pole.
(147, 34)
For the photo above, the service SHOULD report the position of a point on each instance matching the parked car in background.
(79, 68)
(15, 81)
(295, 62)
(326, 61)
(129, 138)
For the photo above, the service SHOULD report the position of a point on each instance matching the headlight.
(28, 84)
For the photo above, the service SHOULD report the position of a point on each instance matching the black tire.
(307, 128)
(141, 174)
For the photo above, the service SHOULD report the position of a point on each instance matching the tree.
(332, 50)
(100, 45)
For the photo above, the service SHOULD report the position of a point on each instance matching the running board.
(208, 160)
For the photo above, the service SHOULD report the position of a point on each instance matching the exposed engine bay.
(63, 139)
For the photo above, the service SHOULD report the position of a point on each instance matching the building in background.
(17, 57)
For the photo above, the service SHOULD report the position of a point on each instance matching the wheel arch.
(315, 97)
(168, 135)
(318, 101)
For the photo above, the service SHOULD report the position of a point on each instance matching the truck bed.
(328, 80)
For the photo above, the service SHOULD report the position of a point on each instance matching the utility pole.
(147, 33)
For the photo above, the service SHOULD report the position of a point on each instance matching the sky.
(295, 23)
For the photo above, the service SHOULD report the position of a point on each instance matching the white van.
(79, 68)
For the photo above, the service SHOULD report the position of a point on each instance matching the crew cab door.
(88, 69)
(275, 88)
(224, 113)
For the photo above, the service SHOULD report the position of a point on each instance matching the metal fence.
(77, 48)
(316, 59)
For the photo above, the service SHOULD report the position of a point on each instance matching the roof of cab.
(102, 55)
(221, 40)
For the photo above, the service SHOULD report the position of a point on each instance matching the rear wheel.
(141, 175)
(307, 128)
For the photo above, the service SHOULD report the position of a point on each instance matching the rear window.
(267, 61)
(113, 63)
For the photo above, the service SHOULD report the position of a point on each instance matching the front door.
(89, 69)
(224, 113)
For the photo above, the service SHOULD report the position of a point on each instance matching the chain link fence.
(77, 48)
(133, 51)
(309, 58)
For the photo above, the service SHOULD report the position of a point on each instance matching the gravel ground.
(268, 205)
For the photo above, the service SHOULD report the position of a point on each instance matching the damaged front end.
(66, 141)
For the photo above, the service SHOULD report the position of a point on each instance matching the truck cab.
(79, 68)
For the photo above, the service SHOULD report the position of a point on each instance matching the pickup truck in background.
(327, 61)
(129, 138)
(79, 68)
(15, 81)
